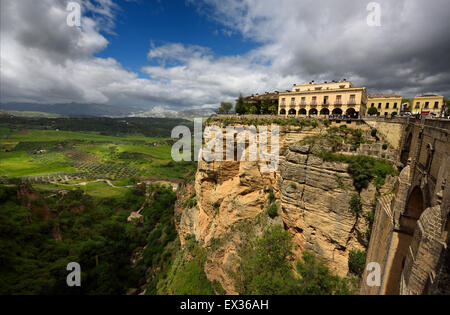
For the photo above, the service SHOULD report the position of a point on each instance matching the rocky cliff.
(312, 196)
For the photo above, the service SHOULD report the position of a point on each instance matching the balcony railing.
(351, 102)
(338, 103)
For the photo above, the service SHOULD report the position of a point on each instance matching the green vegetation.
(225, 108)
(37, 153)
(230, 121)
(355, 204)
(272, 211)
(187, 275)
(363, 169)
(265, 269)
(357, 262)
(372, 111)
(335, 139)
(94, 232)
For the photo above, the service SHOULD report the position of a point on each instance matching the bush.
(265, 269)
(372, 111)
(357, 262)
(355, 204)
(317, 279)
(385, 146)
(271, 196)
(374, 132)
(363, 169)
(272, 211)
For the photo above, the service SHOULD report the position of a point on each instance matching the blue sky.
(183, 54)
(140, 23)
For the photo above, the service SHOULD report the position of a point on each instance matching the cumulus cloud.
(44, 60)
(327, 39)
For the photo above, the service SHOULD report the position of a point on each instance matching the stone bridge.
(410, 235)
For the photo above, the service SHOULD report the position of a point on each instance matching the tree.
(225, 108)
(372, 111)
(357, 262)
(240, 106)
(273, 109)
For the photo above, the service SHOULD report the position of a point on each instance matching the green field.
(48, 157)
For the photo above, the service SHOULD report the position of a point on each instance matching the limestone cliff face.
(313, 198)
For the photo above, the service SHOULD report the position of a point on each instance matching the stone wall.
(415, 238)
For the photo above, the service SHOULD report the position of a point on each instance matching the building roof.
(257, 97)
(383, 96)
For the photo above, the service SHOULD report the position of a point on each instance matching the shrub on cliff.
(265, 269)
(357, 262)
(356, 204)
(317, 279)
(272, 211)
(363, 169)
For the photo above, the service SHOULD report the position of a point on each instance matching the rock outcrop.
(313, 198)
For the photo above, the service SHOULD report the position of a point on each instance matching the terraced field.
(52, 158)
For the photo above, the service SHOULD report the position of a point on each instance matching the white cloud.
(44, 60)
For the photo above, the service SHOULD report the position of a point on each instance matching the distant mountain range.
(100, 110)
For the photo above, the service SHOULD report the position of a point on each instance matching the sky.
(184, 54)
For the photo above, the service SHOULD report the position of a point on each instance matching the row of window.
(387, 105)
(427, 105)
(326, 100)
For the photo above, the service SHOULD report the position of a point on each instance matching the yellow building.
(334, 98)
(386, 104)
(426, 104)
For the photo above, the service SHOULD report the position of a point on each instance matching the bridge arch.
(408, 224)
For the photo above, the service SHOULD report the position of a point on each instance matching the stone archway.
(302, 112)
(404, 236)
(313, 112)
(337, 111)
(325, 112)
(351, 112)
(283, 112)
(292, 112)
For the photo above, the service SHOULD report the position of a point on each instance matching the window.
(379, 105)
(293, 101)
(395, 105)
(417, 105)
(373, 105)
(303, 100)
(436, 105)
(283, 101)
(297, 90)
(325, 100)
(427, 104)
(318, 88)
(314, 100)
(352, 99)
(387, 105)
(339, 99)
